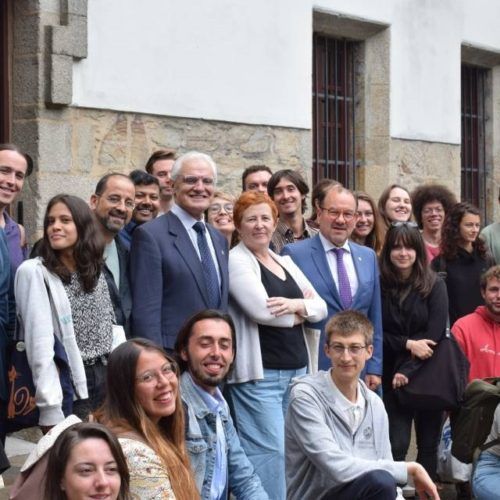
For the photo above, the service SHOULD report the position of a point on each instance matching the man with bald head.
(344, 274)
(179, 263)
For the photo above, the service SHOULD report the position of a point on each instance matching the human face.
(433, 216)
(147, 203)
(61, 229)
(91, 472)
(469, 229)
(337, 229)
(398, 205)
(257, 226)
(257, 181)
(365, 220)
(491, 296)
(114, 207)
(13, 168)
(161, 170)
(220, 215)
(287, 198)
(346, 367)
(403, 258)
(155, 389)
(210, 353)
(194, 198)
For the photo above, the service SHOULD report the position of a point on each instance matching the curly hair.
(431, 193)
(451, 240)
(89, 247)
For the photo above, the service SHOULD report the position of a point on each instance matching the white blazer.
(248, 308)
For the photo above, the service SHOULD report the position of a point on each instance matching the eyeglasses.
(168, 370)
(335, 214)
(192, 180)
(409, 223)
(217, 207)
(353, 350)
(432, 210)
(115, 200)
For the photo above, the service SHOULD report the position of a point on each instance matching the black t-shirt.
(282, 348)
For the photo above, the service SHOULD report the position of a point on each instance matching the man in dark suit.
(113, 203)
(179, 263)
(343, 273)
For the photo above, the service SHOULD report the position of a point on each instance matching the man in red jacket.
(478, 333)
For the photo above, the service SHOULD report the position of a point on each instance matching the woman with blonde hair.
(144, 409)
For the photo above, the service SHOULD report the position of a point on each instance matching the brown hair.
(382, 201)
(346, 323)
(430, 193)
(123, 413)
(248, 199)
(160, 154)
(374, 240)
(492, 272)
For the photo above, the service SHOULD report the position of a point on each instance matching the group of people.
(265, 350)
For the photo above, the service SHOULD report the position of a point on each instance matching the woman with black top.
(270, 299)
(414, 313)
(464, 258)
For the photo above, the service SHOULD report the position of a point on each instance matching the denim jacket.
(201, 441)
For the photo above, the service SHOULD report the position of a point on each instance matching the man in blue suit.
(178, 263)
(343, 273)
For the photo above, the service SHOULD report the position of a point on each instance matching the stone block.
(55, 146)
(26, 134)
(61, 80)
(78, 7)
(83, 147)
(27, 35)
(26, 81)
(79, 36)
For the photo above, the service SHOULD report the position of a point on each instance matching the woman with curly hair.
(367, 229)
(463, 259)
(62, 298)
(143, 408)
(431, 203)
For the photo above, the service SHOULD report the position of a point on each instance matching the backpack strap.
(490, 444)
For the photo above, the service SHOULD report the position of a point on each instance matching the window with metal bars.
(473, 158)
(333, 110)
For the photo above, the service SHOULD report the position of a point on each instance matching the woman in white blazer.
(270, 301)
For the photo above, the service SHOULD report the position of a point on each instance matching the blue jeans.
(259, 413)
(374, 485)
(486, 478)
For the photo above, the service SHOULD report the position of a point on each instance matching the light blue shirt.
(188, 221)
(216, 404)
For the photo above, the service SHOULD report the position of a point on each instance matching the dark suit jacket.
(167, 279)
(309, 255)
(120, 298)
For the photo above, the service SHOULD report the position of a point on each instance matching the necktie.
(208, 266)
(344, 285)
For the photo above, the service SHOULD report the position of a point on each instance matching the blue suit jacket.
(167, 279)
(310, 256)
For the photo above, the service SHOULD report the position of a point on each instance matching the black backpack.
(471, 424)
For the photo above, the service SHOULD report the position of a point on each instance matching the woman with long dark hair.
(367, 230)
(464, 258)
(414, 313)
(144, 409)
(63, 300)
(86, 461)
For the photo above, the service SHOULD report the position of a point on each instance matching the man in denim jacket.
(205, 347)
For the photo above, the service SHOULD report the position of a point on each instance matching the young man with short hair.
(255, 178)
(205, 348)
(337, 432)
(160, 165)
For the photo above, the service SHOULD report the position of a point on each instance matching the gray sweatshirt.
(321, 451)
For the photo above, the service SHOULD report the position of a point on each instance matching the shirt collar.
(187, 219)
(328, 245)
(214, 402)
(343, 403)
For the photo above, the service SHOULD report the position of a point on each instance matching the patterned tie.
(207, 263)
(344, 285)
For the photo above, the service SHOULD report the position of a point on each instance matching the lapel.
(359, 265)
(222, 256)
(187, 252)
(319, 258)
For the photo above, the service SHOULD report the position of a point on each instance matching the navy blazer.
(309, 255)
(168, 286)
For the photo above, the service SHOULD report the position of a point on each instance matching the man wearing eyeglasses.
(178, 263)
(205, 348)
(336, 430)
(343, 273)
(113, 204)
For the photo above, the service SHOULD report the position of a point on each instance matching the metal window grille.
(333, 110)
(473, 172)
